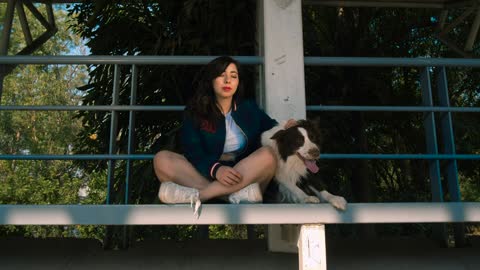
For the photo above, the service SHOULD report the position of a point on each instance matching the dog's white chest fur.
(291, 170)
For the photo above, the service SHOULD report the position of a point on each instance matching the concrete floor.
(69, 254)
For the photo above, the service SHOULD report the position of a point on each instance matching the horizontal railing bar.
(376, 4)
(78, 157)
(122, 60)
(182, 107)
(390, 62)
(94, 108)
(391, 108)
(418, 212)
(322, 156)
(402, 156)
(249, 60)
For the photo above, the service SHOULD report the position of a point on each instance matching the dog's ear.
(302, 122)
(278, 135)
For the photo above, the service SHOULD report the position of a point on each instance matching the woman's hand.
(228, 176)
(290, 123)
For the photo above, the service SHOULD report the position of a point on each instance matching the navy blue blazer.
(203, 146)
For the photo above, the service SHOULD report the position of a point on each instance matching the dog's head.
(302, 140)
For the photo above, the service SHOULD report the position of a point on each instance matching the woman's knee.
(163, 163)
(268, 158)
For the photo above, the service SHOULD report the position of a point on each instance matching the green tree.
(383, 32)
(43, 132)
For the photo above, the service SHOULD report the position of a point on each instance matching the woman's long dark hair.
(202, 106)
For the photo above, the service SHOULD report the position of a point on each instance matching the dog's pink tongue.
(311, 166)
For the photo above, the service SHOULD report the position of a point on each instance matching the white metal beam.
(284, 95)
(239, 214)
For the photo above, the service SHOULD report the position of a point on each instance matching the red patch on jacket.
(207, 126)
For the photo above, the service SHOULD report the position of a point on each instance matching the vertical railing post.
(448, 140)
(131, 145)
(131, 130)
(112, 149)
(432, 148)
(113, 131)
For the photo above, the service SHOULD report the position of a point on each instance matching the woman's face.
(226, 84)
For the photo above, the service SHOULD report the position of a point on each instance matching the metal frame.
(32, 44)
(428, 107)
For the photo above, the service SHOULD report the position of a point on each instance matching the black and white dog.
(297, 149)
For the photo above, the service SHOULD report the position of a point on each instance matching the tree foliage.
(382, 32)
(43, 132)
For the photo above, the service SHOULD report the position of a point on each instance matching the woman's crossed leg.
(259, 167)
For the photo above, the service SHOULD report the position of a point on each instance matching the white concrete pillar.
(283, 54)
(312, 253)
(281, 44)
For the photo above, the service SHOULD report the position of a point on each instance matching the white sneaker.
(248, 194)
(171, 193)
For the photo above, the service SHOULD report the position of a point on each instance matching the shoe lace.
(196, 204)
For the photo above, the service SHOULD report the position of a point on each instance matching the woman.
(220, 137)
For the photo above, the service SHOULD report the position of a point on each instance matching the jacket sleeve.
(194, 149)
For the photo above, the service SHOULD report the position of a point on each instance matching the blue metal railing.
(428, 108)
(114, 108)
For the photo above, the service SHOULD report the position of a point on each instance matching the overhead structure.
(32, 44)
(471, 12)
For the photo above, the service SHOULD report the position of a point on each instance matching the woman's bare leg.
(257, 167)
(170, 166)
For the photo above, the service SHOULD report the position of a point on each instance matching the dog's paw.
(338, 202)
(312, 199)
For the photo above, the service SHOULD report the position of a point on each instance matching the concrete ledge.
(239, 214)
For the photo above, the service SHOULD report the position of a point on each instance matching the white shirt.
(235, 138)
